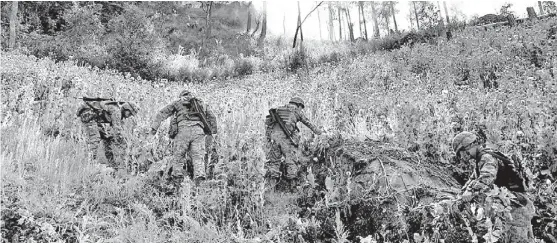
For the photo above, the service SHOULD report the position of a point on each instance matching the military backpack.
(194, 109)
(511, 175)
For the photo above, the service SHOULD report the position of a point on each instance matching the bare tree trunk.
(257, 23)
(441, 29)
(284, 24)
(440, 14)
(339, 24)
(531, 13)
(319, 20)
(208, 9)
(298, 28)
(375, 23)
(331, 24)
(248, 28)
(360, 21)
(364, 18)
(541, 7)
(13, 25)
(350, 24)
(387, 25)
(208, 20)
(264, 27)
(394, 16)
(446, 12)
(411, 19)
(416, 15)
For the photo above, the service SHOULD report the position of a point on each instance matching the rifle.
(100, 112)
(96, 99)
(111, 101)
(202, 117)
(276, 118)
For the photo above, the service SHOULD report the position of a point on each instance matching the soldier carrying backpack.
(192, 121)
(282, 141)
(492, 168)
(102, 119)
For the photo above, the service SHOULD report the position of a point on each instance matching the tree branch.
(311, 12)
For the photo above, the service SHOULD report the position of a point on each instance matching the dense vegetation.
(410, 98)
(171, 40)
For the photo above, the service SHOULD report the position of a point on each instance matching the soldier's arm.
(162, 115)
(488, 172)
(115, 116)
(305, 121)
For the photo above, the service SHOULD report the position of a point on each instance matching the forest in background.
(198, 41)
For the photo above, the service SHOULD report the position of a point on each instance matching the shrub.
(332, 57)
(244, 66)
(297, 59)
(130, 42)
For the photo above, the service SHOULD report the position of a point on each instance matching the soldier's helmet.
(85, 107)
(298, 101)
(82, 109)
(184, 93)
(462, 140)
(131, 107)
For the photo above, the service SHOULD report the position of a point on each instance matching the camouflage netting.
(371, 187)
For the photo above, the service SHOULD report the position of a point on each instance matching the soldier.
(493, 168)
(190, 127)
(284, 142)
(211, 154)
(103, 120)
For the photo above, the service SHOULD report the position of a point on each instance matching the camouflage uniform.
(103, 121)
(190, 137)
(518, 227)
(211, 154)
(279, 145)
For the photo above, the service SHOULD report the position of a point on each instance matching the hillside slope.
(415, 99)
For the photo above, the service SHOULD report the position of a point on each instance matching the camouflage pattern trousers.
(519, 229)
(113, 144)
(516, 227)
(279, 146)
(190, 140)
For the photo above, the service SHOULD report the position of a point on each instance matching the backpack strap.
(513, 176)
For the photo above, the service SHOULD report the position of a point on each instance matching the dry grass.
(407, 97)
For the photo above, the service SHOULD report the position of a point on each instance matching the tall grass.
(407, 97)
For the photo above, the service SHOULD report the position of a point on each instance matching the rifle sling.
(199, 112)
(277, 119)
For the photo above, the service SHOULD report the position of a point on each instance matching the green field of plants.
(416, 99)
